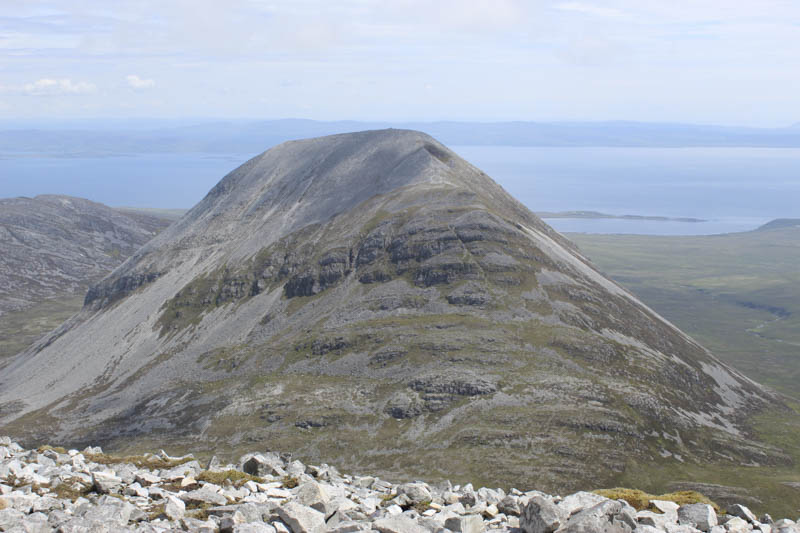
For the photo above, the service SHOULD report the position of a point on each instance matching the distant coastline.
(117, 138)
(598, 215)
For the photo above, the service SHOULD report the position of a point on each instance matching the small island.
(596, 214)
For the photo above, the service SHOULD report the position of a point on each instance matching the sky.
(732, 62)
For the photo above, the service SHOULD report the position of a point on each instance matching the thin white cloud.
(139, 83)
(52, 87)
(371, 59)
(591, 9)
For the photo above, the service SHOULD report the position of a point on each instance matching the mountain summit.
(375, 300)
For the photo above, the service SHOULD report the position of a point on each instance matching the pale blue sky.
(700, 61)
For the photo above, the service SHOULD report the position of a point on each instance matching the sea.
(730, 189)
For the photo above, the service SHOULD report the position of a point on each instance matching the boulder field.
(71, 491)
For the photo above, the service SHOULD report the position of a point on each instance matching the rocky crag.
(372, 299)
(67, 491)
(55, 245)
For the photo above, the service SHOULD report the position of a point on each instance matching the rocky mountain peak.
(299, 183)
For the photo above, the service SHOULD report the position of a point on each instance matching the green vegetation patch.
(738, 294)
(139, 461)
(70, 490)
(640, 500)
(235, 477)
(190, 304)
(20, 329)
(290, 482)
(47, 447)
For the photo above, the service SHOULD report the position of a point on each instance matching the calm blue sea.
(735, 189)
(142, 180)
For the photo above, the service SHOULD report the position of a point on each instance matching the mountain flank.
(52, 248)
(373, 299)
(51, 245)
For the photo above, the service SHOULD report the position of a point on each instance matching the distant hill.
(780, 223)
(54, 245)
(598, 215)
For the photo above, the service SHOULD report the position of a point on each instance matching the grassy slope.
(20, 329)
(708, 287)
(737, 294)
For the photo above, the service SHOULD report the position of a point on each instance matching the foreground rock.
(66, 491)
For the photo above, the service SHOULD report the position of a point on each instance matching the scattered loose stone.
(68, 492)
(742, 512)
(301, 519)
(700, 515)
(542, 516)
(465, 524)
(174, 508)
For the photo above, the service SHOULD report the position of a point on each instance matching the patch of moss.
(67, 490)
(290, 482)
(640, 500)
(157, 511)
(235, 477)
(201, 508)
(686, 497)
(47, 447)
(140, 461)
(421, 507)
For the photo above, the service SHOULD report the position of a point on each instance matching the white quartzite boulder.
(541, 515)
(700, 515)
(301, 519)
(742, 512)
(398, 524)
(465, 524)
(416, 492)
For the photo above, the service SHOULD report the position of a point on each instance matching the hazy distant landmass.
(165, 214)
(174, 214)
(595, 214)
(780, 223)
(120, 137)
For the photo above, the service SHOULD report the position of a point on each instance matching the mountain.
(52, 248)
(373, 299)
(52, 245)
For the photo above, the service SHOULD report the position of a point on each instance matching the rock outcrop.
(59, 490)
(375, 300)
